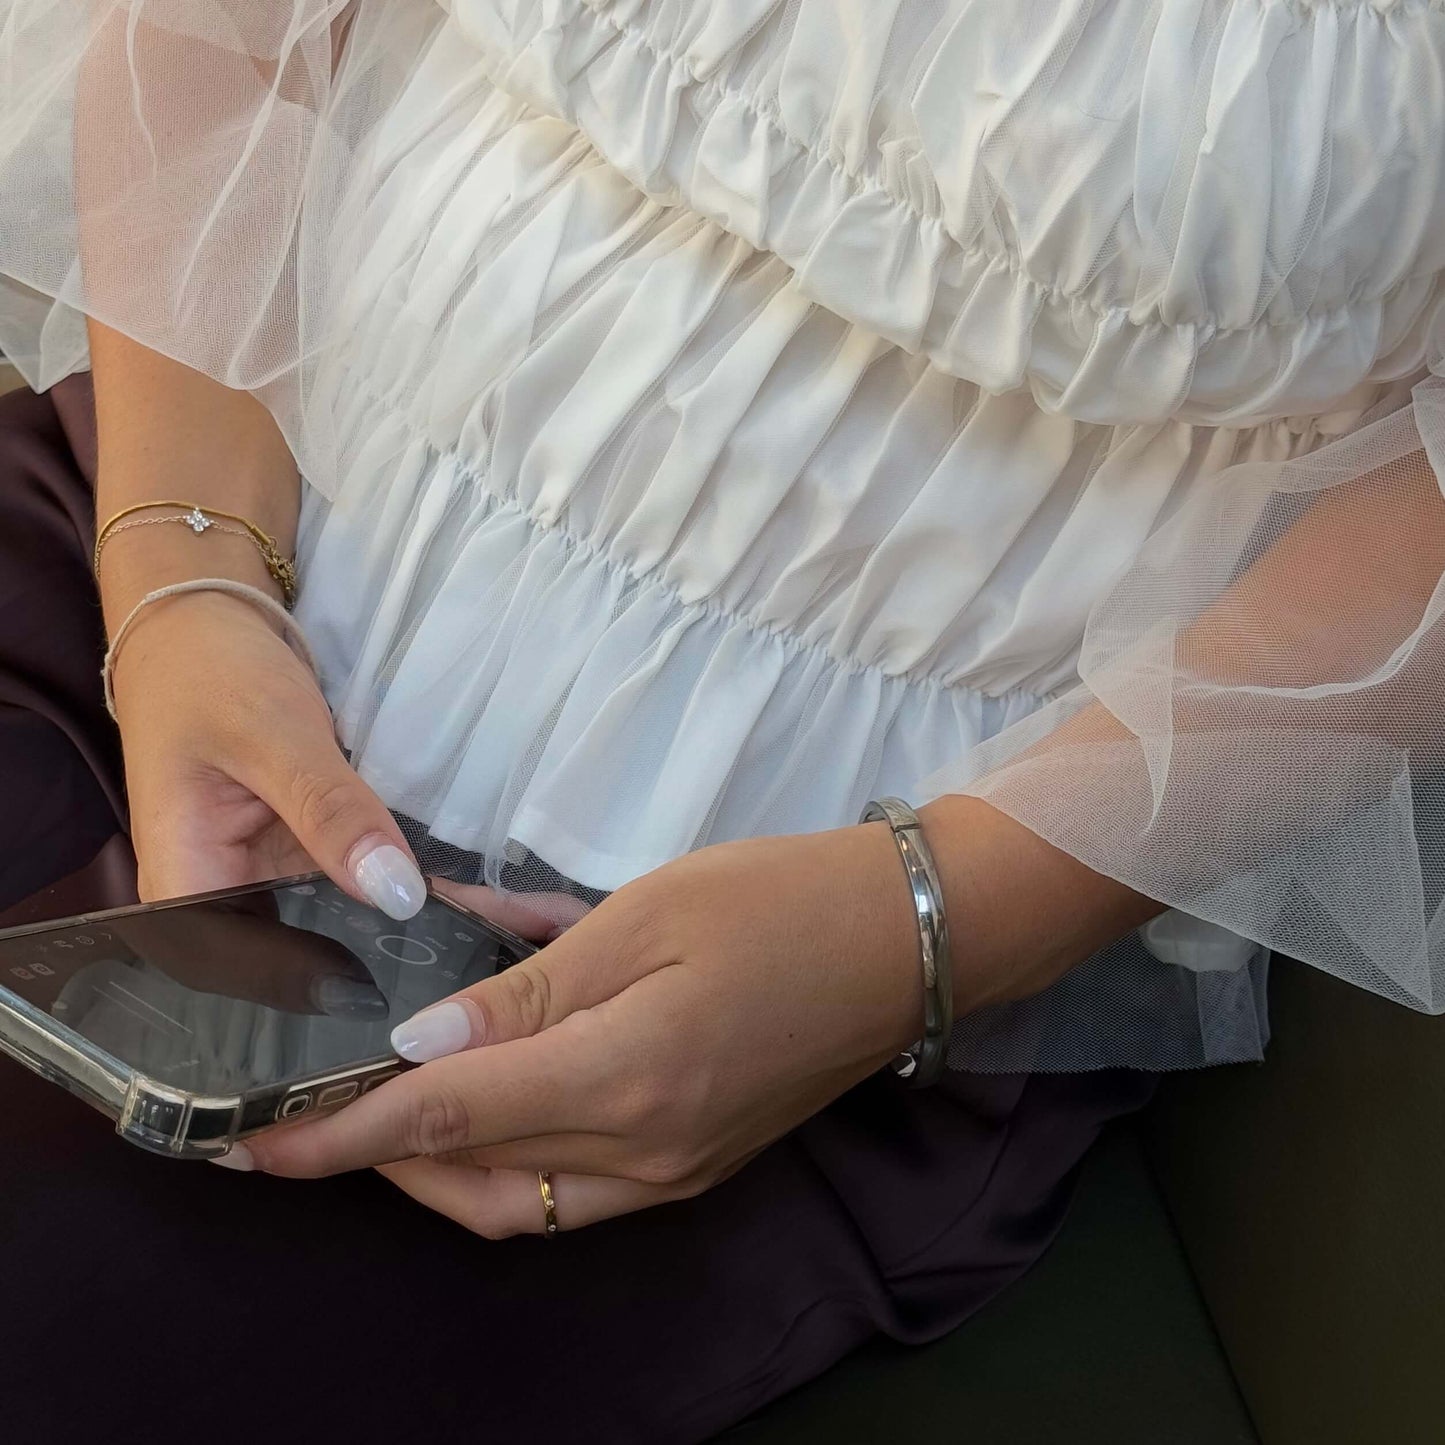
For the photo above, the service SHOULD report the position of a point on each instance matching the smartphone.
(196, 1022)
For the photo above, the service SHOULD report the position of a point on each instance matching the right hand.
(232, 765)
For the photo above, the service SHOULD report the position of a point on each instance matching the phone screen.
(234, 994)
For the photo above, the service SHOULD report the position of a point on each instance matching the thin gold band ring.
(549, 1205)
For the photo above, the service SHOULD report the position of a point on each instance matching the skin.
(710, 1006)
(652, 1049)
(707, 1007)
(686, 1023)
(232, 769)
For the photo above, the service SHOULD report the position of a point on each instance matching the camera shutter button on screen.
(406, 950)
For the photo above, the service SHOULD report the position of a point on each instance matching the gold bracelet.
(281, 567)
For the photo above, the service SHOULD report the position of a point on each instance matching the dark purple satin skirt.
(142, 1299)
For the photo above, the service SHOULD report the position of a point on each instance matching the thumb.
(339, 821)
(594, 961)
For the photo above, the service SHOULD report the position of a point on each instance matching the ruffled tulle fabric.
(711, 729)
(174, 168)
(658, 552)
(1137, 211)
(715, 415)
(1256, 738)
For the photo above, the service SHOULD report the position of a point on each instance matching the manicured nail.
(239, 1158)
(390, 880)
(348, 998)
(435, 1032)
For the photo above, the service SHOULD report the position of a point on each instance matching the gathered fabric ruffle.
(1255, 739)
(715, 414)
(546, 714)
(541, 692)
(657, 552)
(1136, 211)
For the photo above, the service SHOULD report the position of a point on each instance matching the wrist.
(139, 562)
(1021, 912)
(179, 636)
(896, 944)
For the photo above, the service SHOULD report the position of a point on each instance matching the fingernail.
(390, 880)
(434, 1033)
(348, 998)
(239, 1158)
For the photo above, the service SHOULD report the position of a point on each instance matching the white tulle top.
(719, 414)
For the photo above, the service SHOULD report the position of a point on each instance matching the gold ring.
(549, 1205)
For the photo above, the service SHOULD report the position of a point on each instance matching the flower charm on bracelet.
(197, 520)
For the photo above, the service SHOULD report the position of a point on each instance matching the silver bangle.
(922, 1064)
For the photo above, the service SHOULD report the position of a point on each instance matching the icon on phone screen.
(406, 950)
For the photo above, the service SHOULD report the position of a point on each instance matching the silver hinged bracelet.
(922, 1064)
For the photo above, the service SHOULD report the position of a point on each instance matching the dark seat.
(1300, 1200)
(1105, 1340)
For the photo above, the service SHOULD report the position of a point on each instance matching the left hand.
(687, 1022)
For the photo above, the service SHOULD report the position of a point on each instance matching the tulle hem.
(584, 709)
(586, 726)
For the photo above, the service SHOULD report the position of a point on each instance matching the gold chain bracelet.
(201, 520)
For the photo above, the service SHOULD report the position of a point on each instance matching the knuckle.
(530, 993)
(437, 1122)
(693, 1184)
(642, 919)
(321, 803)
(666, 1168)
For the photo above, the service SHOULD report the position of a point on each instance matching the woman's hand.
(690, 1020)
(232, 766)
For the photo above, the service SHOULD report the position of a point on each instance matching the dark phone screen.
(259, 988)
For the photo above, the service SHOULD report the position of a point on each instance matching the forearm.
(161, 113)
(1021, 912)
(1329, 603)
(170, 433)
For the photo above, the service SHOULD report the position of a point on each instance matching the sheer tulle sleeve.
(172, 168)
(1257, 739)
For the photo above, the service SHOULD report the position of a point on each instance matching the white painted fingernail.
(239, 1158)
(434, 1033)
(390, 880)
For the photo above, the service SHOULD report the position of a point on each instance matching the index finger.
(553, 1083)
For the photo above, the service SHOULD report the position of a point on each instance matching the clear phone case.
(169, 1118)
